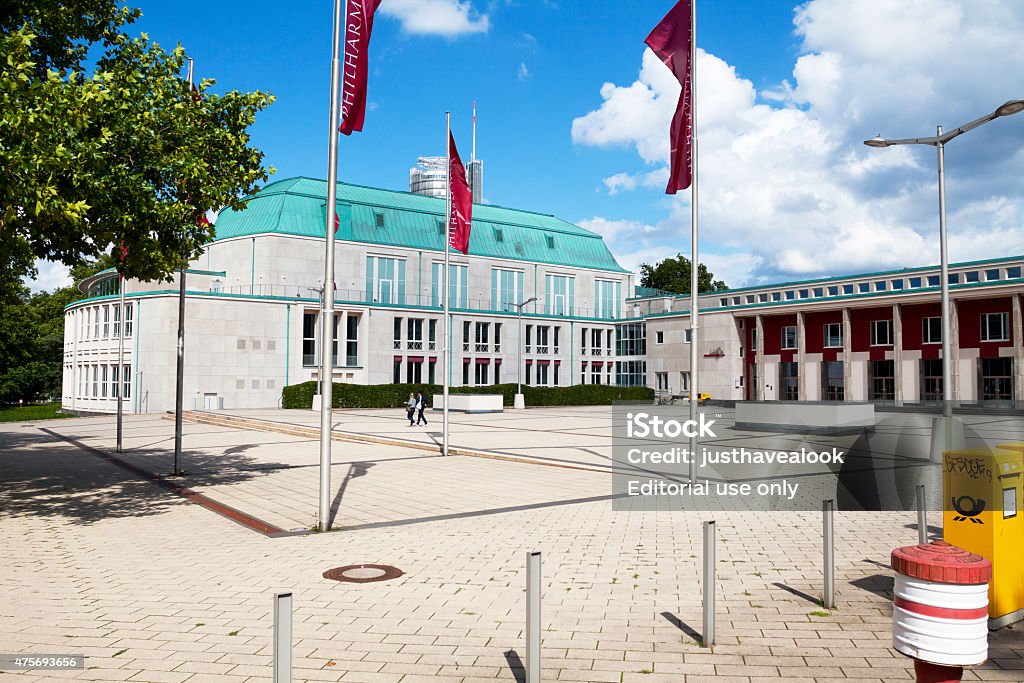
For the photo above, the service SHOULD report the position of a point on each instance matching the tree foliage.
(122, 153)
(673, 275)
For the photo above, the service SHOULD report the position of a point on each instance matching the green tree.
(119, 153)
(32, 336)
(673, 275)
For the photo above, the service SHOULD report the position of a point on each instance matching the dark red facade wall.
(773, 335)
(860, 328)
(814, 332)
(913, 329)
(969, 314)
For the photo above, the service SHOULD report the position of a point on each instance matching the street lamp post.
(939, 141)
(520, 402)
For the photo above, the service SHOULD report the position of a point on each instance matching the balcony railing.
(482, 347)
(414, 345)
(542, 349)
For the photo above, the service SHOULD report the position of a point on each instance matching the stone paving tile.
(103, 562)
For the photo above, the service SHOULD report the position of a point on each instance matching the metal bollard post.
(709, 583)
(533, 617)
(922, 516)
(829, 551)
(282, 637)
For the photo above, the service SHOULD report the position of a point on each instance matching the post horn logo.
(975, 508)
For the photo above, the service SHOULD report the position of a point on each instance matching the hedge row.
(396, 395)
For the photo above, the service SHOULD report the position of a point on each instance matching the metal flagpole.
(119, 386)
(179, 394)
(445, 293)
(694, 263)
(327, 311)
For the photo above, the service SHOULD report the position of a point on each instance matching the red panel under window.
(483, 361)
(398, 359)
(415, 359)
(544, 362)
(433, 359)
(465, 361)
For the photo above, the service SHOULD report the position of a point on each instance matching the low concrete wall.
(471, 403)
(805, 417)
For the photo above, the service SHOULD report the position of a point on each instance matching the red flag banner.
(672, 41)
(358, 26)
(460, 219)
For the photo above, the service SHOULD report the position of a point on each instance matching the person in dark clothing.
(420, 405)
(410, 408)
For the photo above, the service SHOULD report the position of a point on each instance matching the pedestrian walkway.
(151, 587)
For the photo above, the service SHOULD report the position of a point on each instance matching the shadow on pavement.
(44, 475)
(515, 664)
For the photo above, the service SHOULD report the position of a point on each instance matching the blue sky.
(573, 117)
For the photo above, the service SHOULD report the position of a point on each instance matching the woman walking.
(420, 405)
(410, 408)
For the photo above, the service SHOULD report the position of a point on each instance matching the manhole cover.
(363, 573)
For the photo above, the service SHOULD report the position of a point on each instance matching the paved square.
(151, 587)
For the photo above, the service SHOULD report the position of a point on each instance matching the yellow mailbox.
(982, 491)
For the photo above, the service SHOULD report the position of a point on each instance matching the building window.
(526, 372)
(595, 343)
(607, 296)
(631, 340)
(482, 345)
(776, 296)
(126, 381)
(465, 374)
(542, 374)
(933, 280)
(914, 282)
(881, 380)
(753, 339)
(385, 279)
(103, 381)
(847, 289)
(117, 321)
(863, 287)
(633, 373)
(995, 376)
(595, 374)
(684, 381)
(881, 333)
(430, 372)
(819, 292)
(113, 381)
(96, 322)
(431, 335)
(971, 276)
(995, 327)
(661, 381)
(414, 371)
(833, 335)
(309, 338)
(398, 334)
(466, 332)
(583, 341)
(750, 298)
(351, 341)
(499, 235)
(687, 336)
(1013, 273)
(659, 337)
(378, 219)
(542, 338)
(414, 334)
(458, 285)
(506, 289)
(128, 309)
(724, 302)
(560, 294)
(897, 284)
(931, 380)
(789, 381)
(954, 278)
(554, 343)
(762, 298)
(550, 241)
(790, 295)
(932, 330)
(832, 381)
(880, 286)
(789, 337)
(735, 301)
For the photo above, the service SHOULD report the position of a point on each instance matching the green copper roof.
(296, 206)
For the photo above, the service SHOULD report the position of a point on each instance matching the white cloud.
(523, 72)
(448, 18)
(49, 276)
(787, 187)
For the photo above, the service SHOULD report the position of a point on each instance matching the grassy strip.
(33, 413)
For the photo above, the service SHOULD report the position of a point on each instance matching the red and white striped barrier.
(940, 608)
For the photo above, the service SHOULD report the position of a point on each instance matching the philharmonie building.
(253, 298)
